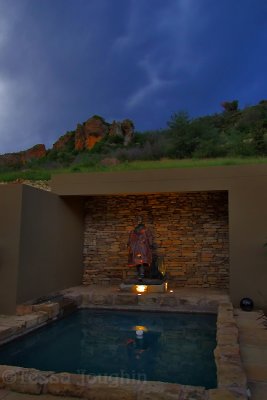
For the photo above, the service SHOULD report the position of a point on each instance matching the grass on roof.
(42, 174)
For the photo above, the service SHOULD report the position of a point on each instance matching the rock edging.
(232, 381)
(230, 371)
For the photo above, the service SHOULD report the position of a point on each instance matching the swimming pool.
(153, 346)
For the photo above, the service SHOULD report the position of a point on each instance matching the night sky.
(61, 61)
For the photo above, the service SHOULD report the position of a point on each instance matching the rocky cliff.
(123, 129)
(65, 142)
(16, 159)
(92, 131)
(83, 138)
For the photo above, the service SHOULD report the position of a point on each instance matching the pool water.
(167, 347)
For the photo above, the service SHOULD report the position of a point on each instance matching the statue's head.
(139, 219)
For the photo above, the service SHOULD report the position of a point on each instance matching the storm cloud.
(62, 61)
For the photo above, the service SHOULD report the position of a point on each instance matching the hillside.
(83, 139)
(99, 145)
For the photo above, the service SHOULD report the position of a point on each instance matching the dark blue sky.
(62, 61)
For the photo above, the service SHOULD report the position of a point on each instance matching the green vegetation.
(232, 137)
(33, 175)
(128, 166)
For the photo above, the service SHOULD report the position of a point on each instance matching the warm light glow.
(140, 328)
(141, 288)
(139, 294)
(166, 286)
(171, 291)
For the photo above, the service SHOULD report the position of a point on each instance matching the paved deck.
(7, 395)
(253, 347)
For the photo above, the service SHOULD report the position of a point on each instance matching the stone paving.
(7, 395)
(253, 346)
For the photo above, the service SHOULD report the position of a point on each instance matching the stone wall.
(189, 229)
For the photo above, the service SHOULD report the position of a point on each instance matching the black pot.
(246, 304)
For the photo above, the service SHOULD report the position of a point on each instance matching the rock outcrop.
(35, 152)
(123, 129)
(91, 132)
(65, 142)
(128, 131)
(13, 159)
(83, 138)
(96, 128)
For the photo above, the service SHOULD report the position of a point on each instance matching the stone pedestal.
(144, 286)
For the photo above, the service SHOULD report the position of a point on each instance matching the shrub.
(85, 160)
(230, 106)
(259, 142)
(75, 168)
(109, 162)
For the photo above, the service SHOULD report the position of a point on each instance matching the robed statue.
(140, 248)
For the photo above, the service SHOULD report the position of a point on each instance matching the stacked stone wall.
(189, 229)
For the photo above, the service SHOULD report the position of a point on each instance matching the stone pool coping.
(231, 378)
